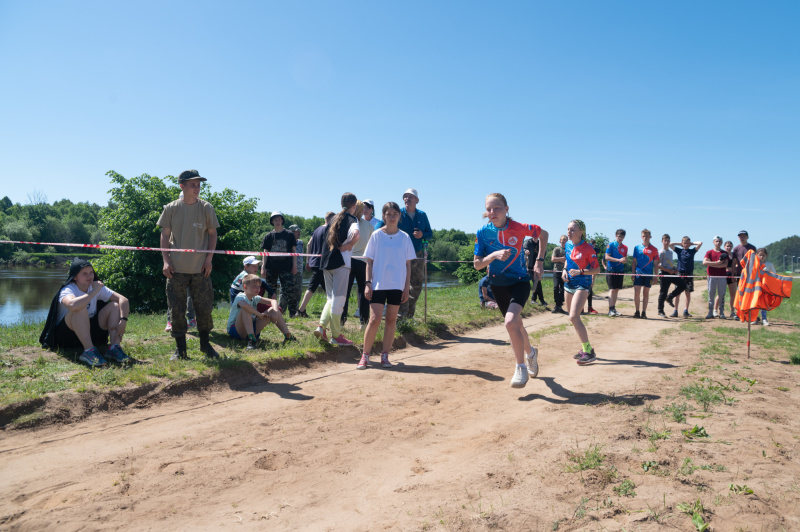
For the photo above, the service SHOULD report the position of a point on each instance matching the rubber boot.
(180, 349)
(205, 346)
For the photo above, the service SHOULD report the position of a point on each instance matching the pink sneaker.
(385, 360)
(364, 362)
(168, 328)
(341, 340)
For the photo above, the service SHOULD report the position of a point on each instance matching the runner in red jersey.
(581, 265)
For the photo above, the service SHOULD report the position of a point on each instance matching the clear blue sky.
(678, 116)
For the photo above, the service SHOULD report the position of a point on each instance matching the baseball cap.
(412, 191)
(717, 237)
(274, 214)
(743, 232)
(250, 260)
(370, 203)
(189, 175)
(294, 227)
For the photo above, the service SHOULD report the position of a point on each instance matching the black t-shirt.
(685, 260)
(332, 258)
(281, 241)
(532, 247)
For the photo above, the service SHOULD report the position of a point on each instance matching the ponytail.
(348, 200)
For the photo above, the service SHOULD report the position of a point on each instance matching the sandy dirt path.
(440, 441)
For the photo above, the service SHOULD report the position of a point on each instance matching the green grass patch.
(590, 458)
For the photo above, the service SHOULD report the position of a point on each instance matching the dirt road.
(440, 442)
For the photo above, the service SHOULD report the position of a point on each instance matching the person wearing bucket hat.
(83, 313)
(281, 268)
(414, 222)
(189, 223)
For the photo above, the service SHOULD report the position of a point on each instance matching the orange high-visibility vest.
(759, 289)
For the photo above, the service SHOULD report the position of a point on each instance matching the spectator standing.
(731, 280)
(414, 223)
(189, 223)
(314, 264)
(667, 267)
(298, 277)
(686, 255)
(559, 259)
(645, 264)
(616, 256)
(738, 254)
(531, 247)
(716, 261)
(358, 268)
(369, 213)
(282, 269)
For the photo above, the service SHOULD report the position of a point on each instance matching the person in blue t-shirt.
(485, 293)
(616, 256)
(645, 264)
(498, 248)
(685, 255)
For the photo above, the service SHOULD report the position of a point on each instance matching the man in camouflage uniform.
(279, 240)
(189, 223)
(298, 277)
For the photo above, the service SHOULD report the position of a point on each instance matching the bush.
(131, 220)
(466, 272)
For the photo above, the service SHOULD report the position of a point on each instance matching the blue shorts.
(233, 333)
(642, 280)
(572, 288)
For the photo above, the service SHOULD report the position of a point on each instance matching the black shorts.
(643, 280)
(516, 293)
(688, 280)
(66, 337)
(317, 280)
(614, 281)
(386, 297)
(732, 280)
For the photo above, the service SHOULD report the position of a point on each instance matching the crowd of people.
(384, 256)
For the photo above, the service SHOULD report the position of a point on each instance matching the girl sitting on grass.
(389, 254)
(498, 248)
(581, 265)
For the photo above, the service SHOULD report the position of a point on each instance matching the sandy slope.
(439, 442)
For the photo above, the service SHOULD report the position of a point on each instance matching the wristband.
(367, 282)
(126, 319)
(538, 259)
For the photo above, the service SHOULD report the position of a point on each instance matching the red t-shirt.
(714, 255)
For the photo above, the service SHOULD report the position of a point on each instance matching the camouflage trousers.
(288, 292)
(199, 287)
(298, 287)
(408, 308)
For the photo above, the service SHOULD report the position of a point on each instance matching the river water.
(25, 293)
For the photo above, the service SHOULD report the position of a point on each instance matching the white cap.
(250, 260)
(412, 191)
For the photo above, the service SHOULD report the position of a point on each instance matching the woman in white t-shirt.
(389, 254)
(87, 313)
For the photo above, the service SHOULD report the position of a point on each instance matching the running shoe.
(252, 344)
(644, 315)
(715, 312)
(661, 314)
(592, 311)
(91, 357)
(320, 333)
(636, 315)
(669, 302)
(686, 314)
(520, 378)
(586, 358)
(116, 354)
(341, 340)
(674, 314)
(168, 328)
(578, 355)
(616, 312)
(722, 315)
(364, 362)
(765, 323)
(192, 323)
(710, 315)
(530, 361)
(385, 360)
(611, 313)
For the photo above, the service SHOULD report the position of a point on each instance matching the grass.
(28, 372)
(590, 458)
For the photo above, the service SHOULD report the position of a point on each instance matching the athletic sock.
(521, 366)
(587, 347)
(251, 337)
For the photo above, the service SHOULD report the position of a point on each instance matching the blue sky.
(677, 116)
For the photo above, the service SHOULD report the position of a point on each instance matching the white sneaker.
(765, 323)
(716, 314)
(533, 365)
(520, 378)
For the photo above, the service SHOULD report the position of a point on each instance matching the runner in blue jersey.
(616, 256)
(645, 262)
(498, 248)
(581, 266)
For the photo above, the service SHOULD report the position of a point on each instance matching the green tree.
(131, 220)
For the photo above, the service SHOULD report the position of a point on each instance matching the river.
(25, 293)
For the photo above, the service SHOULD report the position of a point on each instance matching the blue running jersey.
(645, 258)
(618, 251)
(491, 239)
(580, 257)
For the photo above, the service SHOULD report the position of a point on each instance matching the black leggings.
(358, 271)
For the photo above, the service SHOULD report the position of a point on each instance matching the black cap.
(743, 232)
(189, 175)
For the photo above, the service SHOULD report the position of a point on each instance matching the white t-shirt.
(389, 254)
(72, 290)
(235, 309)
(346, 255)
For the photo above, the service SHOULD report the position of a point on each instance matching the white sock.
(521, 365)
